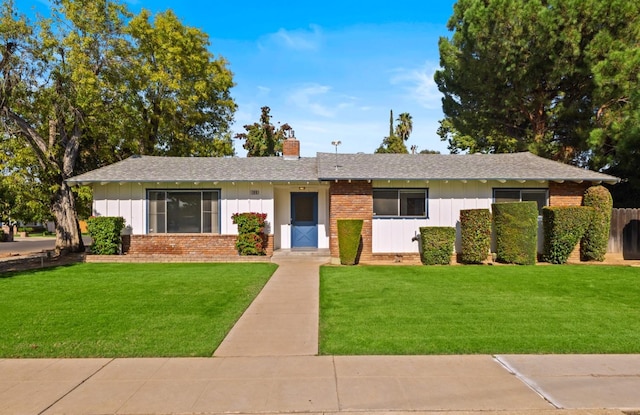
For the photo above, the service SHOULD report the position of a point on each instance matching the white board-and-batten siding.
(445, 201)
(129, 200)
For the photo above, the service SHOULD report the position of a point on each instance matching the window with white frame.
(540, 196)
(183, 211)
(400, 202)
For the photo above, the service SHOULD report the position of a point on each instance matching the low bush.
(564, 226)
(349, 240)
(437, 244)
(516, 230)
(105, 233)
(251, 238)
(475, 235)
(593, 246)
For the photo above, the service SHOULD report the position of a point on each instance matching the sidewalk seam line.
(76, 386)
(335, 378)
(530, 383)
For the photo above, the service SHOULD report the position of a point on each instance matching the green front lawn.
(124, 310)
(479, 309)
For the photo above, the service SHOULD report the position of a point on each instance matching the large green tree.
(91, 84)
(555, 77)
(395, 141)
(263, 139)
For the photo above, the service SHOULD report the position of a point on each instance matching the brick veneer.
(196, 245)
(567, 193)
(351, 200)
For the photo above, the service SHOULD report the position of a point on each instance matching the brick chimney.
(291, 148)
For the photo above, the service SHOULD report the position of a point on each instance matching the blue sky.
(331, 69)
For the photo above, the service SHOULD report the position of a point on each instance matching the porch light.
(301, 188)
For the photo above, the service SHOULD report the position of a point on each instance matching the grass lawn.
(479, 309)
(124, 310)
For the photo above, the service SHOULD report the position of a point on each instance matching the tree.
(534, 75)
(263, 139)
(394, 142)
(182, 103)
(78, 91)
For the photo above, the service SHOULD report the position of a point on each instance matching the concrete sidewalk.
(268, 364)
(321, 384)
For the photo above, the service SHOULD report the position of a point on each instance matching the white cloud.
(300, 39)
(419, 85)
(308, 97)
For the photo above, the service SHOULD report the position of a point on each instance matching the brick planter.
(203, 246)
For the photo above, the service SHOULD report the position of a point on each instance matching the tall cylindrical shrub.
(593, 246)
(475, 235)
(516, 230)
(437, 244)
(563, 228)
(349, 239)
(105, 233)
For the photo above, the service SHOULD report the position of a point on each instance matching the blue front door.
(304, 220)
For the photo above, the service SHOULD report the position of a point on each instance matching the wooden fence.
(624, 237)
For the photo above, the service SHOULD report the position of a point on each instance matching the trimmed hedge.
(349, 238)
(593, 246)
(437, 244)
(105, 232)
(564, 226)
(251, 238)
(475, 235)
(516, 229)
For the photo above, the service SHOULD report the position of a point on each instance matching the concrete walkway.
(268, 364)
(283, 319)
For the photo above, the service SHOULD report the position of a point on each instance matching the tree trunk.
(68, 236)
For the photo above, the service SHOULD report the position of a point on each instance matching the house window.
(400, 202)
(184, 211)
(540, 196)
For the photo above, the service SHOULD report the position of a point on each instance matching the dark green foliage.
(593, 246)
(564, 226)
(516, 228)
(437, 244)
(251, 237)
(475, 234)
(263, 139)
(349, 239)
(105, 232)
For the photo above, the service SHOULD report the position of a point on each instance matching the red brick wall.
(291, 148)
(205, 245)
(351, 200)
(567, 193)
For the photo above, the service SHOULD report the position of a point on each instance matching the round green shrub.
(349, 239)
(593, 246)
(516, 227)
(437, 244)
(475, 235)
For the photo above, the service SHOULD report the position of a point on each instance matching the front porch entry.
(304, 220)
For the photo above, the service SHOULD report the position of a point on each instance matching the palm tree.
(405, 126)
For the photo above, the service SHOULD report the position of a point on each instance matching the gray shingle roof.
(516, 166)
(178, 169)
